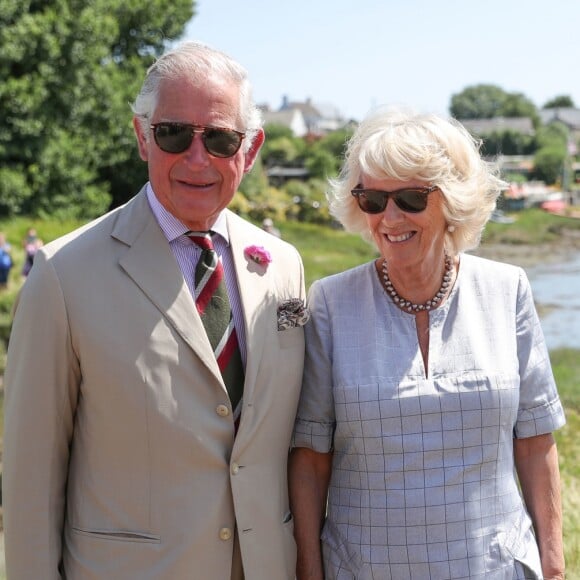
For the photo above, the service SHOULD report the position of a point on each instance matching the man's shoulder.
(89, 234)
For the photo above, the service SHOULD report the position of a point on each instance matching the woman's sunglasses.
(178, 137)
(408, 199)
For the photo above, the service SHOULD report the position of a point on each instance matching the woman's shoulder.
(487, 267)
(488, 276)
(347, 279)
(345, 297)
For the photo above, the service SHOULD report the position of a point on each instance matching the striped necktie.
(213, 305)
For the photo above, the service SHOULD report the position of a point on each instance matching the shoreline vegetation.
(534, 238)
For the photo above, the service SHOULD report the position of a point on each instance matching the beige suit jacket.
(120, 460)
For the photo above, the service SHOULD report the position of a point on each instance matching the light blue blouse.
(423, 482)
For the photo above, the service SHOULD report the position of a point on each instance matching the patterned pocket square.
(292, 313)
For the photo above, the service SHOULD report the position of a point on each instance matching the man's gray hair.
(199, 62)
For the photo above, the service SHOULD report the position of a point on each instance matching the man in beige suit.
(123, 457)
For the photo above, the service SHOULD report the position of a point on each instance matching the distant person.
(31, 244)
(427, 382)
(268, 226)
(155, 362)
(6, 262)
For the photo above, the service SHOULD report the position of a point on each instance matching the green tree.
(518, 105)
(507, 142)
(550, 156)
(489, 101)
(553, 134)
(478, 102)
(559, 102)
(275, 130)
(283, 150)
(307, 201)
(335, 142)
(255, 182)
(548, 163)
(68, 69)
(280, 146)
(321, 164)
(325, 156)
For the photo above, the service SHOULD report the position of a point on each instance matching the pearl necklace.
(409, 306)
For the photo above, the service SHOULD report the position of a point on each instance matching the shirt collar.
(172, 227)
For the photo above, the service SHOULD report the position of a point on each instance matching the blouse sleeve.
(540, 410)
(315, 421)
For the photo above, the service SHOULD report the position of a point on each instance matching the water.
(557, 287)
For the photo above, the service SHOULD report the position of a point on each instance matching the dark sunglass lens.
(411, 200)
(173, 137)
(372, 201)
(222, 142)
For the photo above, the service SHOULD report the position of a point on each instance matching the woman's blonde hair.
(396, 143)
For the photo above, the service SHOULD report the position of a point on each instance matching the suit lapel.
(254, 283)
(150, 263)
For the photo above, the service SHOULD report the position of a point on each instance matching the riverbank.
(528, 255)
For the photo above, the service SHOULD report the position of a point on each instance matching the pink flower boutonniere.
(258, 254)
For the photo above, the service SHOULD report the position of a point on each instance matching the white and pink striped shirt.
(187, 255)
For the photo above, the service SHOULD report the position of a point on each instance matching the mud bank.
(528, 256)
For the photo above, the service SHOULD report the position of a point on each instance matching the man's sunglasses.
(408, 199)
(178, 137)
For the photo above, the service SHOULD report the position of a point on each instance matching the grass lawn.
(566, 364)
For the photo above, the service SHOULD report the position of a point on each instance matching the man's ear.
(252, 153)
(141, 139)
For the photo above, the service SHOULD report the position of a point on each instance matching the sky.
(358, 54)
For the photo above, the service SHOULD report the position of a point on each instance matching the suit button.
(222, 410)
(225, 534)
(235, 469)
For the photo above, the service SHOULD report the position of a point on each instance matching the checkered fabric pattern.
(423, 483)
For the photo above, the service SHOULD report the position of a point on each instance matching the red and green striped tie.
(213, 305)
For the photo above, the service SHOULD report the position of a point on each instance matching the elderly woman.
(427, 380)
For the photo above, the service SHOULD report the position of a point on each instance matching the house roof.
(279, 117)
(318, 119)
(329, 111)
(307, 108)
(570, 116)
(487, 126)
(291, 118)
